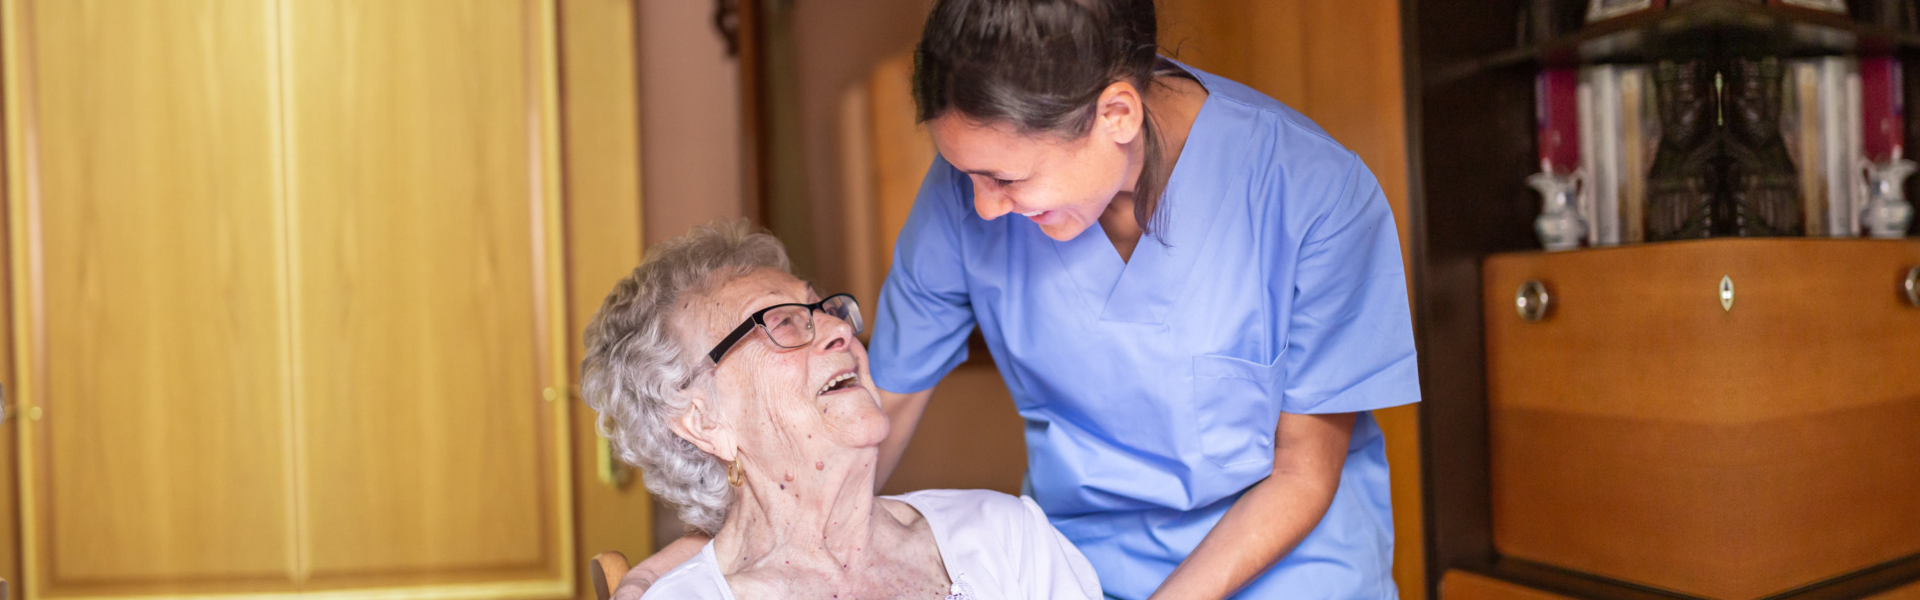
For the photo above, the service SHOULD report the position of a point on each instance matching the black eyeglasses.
(791, 325)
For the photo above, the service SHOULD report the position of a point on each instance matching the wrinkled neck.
(804, 512)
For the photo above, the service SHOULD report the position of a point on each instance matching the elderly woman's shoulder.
(697, 579)
(1002, 546)
(964, 512)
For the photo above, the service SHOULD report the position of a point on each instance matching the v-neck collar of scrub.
(1140, 290)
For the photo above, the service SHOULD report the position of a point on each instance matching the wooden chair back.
(605, 569)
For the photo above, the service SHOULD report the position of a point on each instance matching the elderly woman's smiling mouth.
(747, 401)
(844, 381)
(796, 345)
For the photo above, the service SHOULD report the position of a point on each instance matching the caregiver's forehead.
(978, 147)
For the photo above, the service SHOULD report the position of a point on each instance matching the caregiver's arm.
(1272, 517)
(904, 411)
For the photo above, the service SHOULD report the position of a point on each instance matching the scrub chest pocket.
(1237, 406)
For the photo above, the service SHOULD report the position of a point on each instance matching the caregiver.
(1193, 293)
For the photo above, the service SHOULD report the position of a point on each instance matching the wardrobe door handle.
(1912, 285)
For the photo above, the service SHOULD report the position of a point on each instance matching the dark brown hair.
(1040, 65)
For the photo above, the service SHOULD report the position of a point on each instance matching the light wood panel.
(10, 398)
(604, 231)
(1643, 433)
(1461, 585)
(9, 413)
(1339, 63)
(902, 151)
(420, 269)
(141, 156)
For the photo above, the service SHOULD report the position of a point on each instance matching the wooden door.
(150, 333)
(424, 272)
(599, 90)
(289, 312)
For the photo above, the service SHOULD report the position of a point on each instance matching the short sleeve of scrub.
(1151, 387)
(1349, 325)
(924, 315)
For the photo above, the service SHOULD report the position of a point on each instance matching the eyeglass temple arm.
(721, 348)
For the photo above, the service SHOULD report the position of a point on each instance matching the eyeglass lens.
(792, 326)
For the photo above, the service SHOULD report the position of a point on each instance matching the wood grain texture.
(1462, 585)
(144, 135)
(1907, 592)
(1339, 63)
(9, 400)
(604, 230)
(606, 569)
(1643, 433)
(417, 263)
(292, 264)
(902, 151)
(857, 174)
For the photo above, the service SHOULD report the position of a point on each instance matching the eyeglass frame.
(757, 319)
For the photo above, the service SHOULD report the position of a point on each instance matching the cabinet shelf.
(1771, 244)
(1695, 29)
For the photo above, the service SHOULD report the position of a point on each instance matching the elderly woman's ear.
(703, 428)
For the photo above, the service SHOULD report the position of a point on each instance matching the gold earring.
(734, 476)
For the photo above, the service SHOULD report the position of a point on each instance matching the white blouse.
(995, 546)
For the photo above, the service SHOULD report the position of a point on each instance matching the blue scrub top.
(1151, 388)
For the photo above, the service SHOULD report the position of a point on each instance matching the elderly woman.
(744, 398)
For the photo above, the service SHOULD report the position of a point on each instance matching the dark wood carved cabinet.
(1641, 440)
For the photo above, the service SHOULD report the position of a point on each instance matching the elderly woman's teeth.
(834, 384)
(1032, 214)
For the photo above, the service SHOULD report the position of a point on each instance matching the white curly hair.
(636, 369)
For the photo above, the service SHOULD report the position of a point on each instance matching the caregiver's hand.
(1274, 515)
(904, 411)
(642, 575)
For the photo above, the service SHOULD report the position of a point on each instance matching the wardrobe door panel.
(423, 339)
(146, 218)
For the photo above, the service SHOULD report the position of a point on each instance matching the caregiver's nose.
(991, 205)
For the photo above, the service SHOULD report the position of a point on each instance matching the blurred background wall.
(690, 118)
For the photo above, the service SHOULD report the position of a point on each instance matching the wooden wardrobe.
(294, 290)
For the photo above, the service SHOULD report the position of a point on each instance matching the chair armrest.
(606, 569)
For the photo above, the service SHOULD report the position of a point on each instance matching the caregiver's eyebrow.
(992, 174)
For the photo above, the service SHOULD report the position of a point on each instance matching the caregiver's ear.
(703, 427)
(1120, 111)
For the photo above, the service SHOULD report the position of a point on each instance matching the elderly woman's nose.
(834, 334)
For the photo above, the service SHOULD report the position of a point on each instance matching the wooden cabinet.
(289, 305)
(1644, 431)
(150, 340)
(1495, 485)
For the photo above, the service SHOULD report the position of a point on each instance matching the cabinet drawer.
(1643, 432)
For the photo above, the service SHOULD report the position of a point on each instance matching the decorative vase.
(1887, 214)
(1559, 224)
